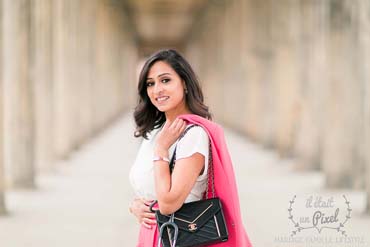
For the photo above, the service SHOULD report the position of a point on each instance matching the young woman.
(170, 99)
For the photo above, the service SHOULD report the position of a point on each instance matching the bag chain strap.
(210, 172)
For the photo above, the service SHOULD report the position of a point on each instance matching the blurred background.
(289, 80)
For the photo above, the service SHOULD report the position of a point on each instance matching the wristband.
(158, 158)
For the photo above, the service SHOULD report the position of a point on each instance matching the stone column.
(256, 53)
(211, 28)
(285, 31)
(2, 177)
(231, 81)
(364, 39)
(85, 17)
(19, 115)
(62, 78)
(81, 22)
(366, 146)
(341, 150)
(313, 79)
(108, 85)
(129, 66)
(42, 68)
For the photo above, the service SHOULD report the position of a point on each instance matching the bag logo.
(192, 227)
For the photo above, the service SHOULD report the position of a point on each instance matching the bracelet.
(159, 158)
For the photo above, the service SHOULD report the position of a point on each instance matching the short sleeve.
(195, 141)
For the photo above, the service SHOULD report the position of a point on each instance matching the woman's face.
(165, 88)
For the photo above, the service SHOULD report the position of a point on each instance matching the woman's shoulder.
(195, 129)
(194, 134)
(195, 140)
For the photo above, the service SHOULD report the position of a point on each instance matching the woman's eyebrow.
(159, 75)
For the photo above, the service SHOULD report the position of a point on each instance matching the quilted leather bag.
(196, 223)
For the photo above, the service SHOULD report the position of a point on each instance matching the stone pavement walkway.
(84, 201)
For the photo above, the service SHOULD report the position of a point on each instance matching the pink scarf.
(225, 189)
(225, 183)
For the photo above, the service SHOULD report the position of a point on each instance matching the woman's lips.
(162, 99)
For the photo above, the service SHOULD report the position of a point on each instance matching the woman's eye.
(149, 84)
(165, 80)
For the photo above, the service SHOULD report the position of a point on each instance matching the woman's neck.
(172, 115)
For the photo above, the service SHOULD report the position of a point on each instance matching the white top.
(142, 173)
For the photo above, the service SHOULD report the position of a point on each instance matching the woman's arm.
(172, 191)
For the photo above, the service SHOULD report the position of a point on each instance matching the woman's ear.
(185, 88)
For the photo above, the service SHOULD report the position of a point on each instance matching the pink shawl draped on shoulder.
(225, 188)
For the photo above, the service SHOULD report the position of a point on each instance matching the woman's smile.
(162, 99)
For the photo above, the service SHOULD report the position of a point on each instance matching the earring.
(186, 91)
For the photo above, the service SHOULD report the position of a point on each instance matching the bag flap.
(193, 215)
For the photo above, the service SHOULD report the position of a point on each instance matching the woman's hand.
(140, 208)
(170, 132)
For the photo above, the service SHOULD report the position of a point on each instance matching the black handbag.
(196, 223)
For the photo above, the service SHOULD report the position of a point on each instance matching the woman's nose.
(157, 88)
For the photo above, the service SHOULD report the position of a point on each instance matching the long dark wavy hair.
(146, 115)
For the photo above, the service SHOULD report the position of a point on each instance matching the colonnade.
(293, 75)
(67, 71)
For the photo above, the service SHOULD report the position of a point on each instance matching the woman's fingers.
(172, 126)
(167, 124)
(149, 215)
(177, 125)
(183, 127)
(147, 202)
(140, 208)
(148, 223)
(183, 123)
